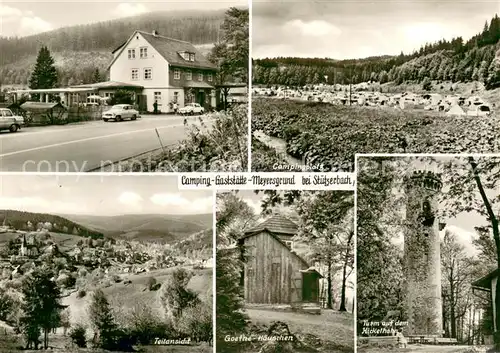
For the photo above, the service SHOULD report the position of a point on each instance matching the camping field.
(322, 133)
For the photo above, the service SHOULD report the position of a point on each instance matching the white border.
(355, 298)
(249, 133)
(214, 271)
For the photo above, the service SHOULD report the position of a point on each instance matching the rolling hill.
(79, 50)
(30, 221)
(155, 227)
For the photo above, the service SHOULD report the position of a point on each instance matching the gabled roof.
(170, 49)
(275, 224)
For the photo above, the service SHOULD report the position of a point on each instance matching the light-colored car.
(191, 109)
(120, 112)
(9, 121)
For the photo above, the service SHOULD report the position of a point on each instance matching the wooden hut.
(44, 113)
(273, 272)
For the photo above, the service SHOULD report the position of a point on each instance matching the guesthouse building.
(168, 70)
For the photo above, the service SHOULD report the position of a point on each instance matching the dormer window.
(143, 53)
(187, 55)
(289, 244)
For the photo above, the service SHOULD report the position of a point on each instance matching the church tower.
(24, 246)
(422, 255)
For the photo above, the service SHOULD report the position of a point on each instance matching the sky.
(101, 195)
(22, 18)
(356, 29)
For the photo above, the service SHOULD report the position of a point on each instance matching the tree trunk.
(344, 280)
(344, 273)
(329, 304)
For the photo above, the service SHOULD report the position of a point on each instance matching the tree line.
(197, 27)
(27, 220)
(446, 60)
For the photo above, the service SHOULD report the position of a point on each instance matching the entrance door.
(310, 287)
(201, 98)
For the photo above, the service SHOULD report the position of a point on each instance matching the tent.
(456, 111)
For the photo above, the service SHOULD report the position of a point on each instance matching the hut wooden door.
(310, 287)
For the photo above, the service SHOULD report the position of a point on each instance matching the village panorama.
(124, 88)
(127, 267)
(339, 79)
(285, 271)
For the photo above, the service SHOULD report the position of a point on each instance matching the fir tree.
(103, 321)
(45, 74)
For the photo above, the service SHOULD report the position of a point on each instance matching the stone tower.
(422, 256)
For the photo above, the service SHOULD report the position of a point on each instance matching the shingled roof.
(276, 224)
(171, 48)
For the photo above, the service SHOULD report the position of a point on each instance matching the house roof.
(40, 105)
(170, 49)
(485, 282)
(275, 224)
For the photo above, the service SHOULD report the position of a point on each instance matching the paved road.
(86, 146)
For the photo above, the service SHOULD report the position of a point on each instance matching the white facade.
(145, 67)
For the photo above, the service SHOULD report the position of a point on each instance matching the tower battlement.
(425, 179)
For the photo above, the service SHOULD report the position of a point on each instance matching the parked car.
(120, 112)
(191, 109)
(9, 121)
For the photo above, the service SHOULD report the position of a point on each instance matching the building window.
(144, 52)
(189, 75)
(148, 74)
(200, 77)
(177, 74)
(131, 53)
(210, 77)
(135, 74)
(157, 98)
(289, 244)
(176, 97)
(191, 57)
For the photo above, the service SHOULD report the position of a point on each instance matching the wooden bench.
(446, 340)
(380, 340)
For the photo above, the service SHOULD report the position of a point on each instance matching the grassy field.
(335, 329)
(126, 296)
(331, 134)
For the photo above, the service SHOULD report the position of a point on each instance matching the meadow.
(322, 133)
